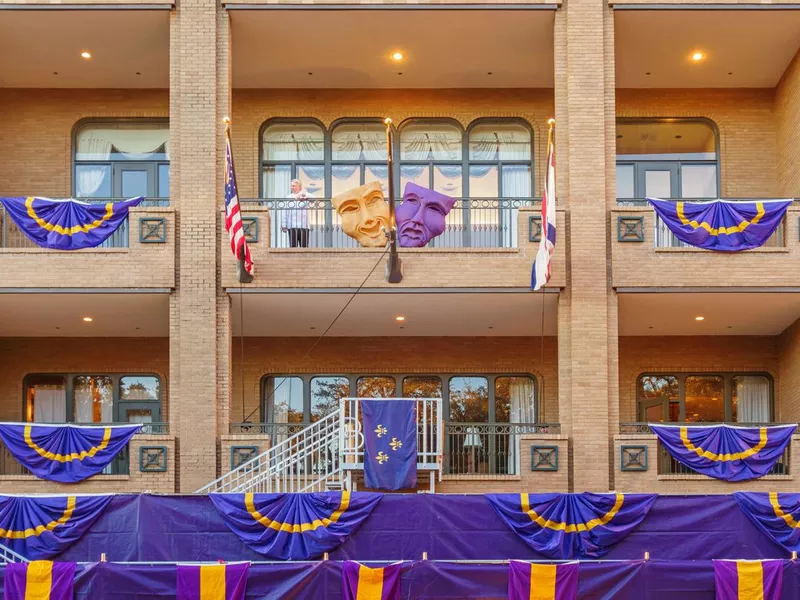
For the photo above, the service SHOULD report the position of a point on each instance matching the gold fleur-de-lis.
(381, 430)
(382, 458)
(395, 444)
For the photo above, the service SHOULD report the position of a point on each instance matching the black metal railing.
(669, 466)
(12, 237)
(120, 466)
(472, 223)
(488, 449)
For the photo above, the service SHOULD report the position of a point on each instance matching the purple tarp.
(652, 580)
(189, 528)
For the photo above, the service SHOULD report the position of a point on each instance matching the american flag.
(233, 213)
(540, 274)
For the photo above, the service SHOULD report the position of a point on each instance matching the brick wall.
(789, 373)
(643, 354)
(787, 117)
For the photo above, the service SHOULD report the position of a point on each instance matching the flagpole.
(550, 141)
(394, 266)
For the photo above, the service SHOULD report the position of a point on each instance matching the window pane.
(422, 387)
(705, 399)
(662, 140)
(375, 387)
(345, 177)
(516, 182)
(658, 184)
(699, 181)
(447, 180)
(750, 399)
(500, 141)
(325, 395)
(93, 181)
(163, 181)
(377, 173)
(514, 400)
(656, 386)
(277, 181)
(139, 388)
(430, 141)
(123, 141)
(625, 181)
(313, 179)
(293, 142)
(45, 399)
(359, 141)
(469, 399)
(285, 396)
(419, 174)
(134, 183)
(483, 181)
(94, 399)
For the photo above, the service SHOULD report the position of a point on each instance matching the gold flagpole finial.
(387, 121)
(227, 122)
(551, 121)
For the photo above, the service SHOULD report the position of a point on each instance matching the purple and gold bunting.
(360, 582)
(535, 581)
(748, 579)
(212, 582)
(39, 580)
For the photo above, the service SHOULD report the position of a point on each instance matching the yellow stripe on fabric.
(751, 580)
(212, 582)
(570, 527)
(40, 529)
(370, 583)
(39, 580)
(776, 507)
(724, 457)
(543, 582)
(249, 503)
(721, 230)
(71, 230)
(67, 457)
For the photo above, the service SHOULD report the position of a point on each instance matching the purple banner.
(547, 582)
(39, 579)
(360, 582)
(743, 579)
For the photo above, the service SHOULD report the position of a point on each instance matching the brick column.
(585, 105)
(198, 75)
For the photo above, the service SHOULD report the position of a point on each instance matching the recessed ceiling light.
(397, 56)
(698, 56)
(678, 137)
(86, 55)
(88, 319)
(399, 318)
(699, 318)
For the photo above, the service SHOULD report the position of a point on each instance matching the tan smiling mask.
(365, 214)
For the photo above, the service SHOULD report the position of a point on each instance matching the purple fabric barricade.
(777, 515)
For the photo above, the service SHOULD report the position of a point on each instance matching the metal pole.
(394, 266)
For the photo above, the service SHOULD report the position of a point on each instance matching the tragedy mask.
(365, 214)
(422, 215)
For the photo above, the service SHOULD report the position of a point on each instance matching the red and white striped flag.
(233, 216)
(540, 273)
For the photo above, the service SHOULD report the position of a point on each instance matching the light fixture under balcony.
(699, 318)
(86, 55)
(698, 56)
(87, 319)
(397, 56)
(399, 318)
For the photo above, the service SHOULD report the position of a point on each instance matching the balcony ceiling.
(351, 49)
(755, 46)
(61, 315)
(373, 314)
(725, 313)
(36, 44)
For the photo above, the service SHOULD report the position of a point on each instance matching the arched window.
(500, 164)
(293, 150)
(358, 155)
(122, 159)
(431, 155)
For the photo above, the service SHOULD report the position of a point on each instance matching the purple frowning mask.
(422, 215)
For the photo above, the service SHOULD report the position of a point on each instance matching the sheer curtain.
(49, 404)
(90, 177)
(752, 394)
(523, 410)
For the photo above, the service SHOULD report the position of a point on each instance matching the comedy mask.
(365, 214)
(421, 216)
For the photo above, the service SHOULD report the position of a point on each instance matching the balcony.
(147, 464)
(645, 254)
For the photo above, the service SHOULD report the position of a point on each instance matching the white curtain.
(523, 410)
(293, 145)
(752, 395)
(84, 407)
(49, 404)
(90, 177)
(423, 145)
(359, 145)
(135, 142)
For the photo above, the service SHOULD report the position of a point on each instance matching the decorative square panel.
(630, 229)
(241, 454)
(250, 228)
(633, 458)
(152, 459)
(544, 458)
(534, 229)
(152, 230)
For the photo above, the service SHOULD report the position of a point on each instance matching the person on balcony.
(294, 218)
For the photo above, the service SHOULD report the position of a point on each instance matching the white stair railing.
(308, 461)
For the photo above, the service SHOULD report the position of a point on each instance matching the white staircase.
(324, 455)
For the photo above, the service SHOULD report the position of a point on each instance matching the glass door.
(131, 180)
(659, 180)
